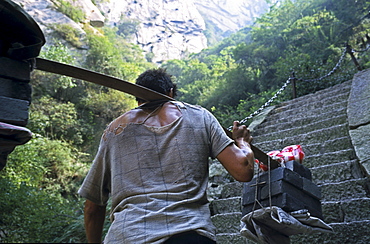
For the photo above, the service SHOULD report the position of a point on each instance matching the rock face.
(230, 16)
(164, 29)
(46, 15)
(359, 117)
(171, 29)
(167, 29)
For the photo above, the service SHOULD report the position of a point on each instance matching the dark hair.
(158, 80)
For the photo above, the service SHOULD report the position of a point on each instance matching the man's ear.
(170, 94)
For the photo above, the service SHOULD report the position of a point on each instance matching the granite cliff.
(164, 29)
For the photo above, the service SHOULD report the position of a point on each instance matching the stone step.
(342, 142)
(227, 205)
(280, 140)
(318, 110)
(303, 125)
(340, 191)
(325, 158)
(322, 153)
(310, 104)
(271, 124)
(322, 95)
(345, 190)
(233, 189)
(233, 238)
(337, 172)
(227, 222)
(356, 209)
(353, 232)
(298, 130)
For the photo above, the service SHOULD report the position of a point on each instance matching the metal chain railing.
(331, 72)
(361, 51)
(258, 111)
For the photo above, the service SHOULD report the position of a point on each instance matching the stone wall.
(359, 117)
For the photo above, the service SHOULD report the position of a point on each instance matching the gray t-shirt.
(157, 177)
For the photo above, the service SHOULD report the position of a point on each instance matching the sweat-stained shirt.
(157, 177)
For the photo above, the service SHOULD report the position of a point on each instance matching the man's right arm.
(238, 157)
(94, 216)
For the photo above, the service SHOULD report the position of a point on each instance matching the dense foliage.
(233, 78)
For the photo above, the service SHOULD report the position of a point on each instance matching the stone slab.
(359, 100)
(260, 118)
(229, 205)
(346, 190)
(227, 223)
(350, 233)
(361, 142)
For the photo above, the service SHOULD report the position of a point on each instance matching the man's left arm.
(238, 157)
(94, 216)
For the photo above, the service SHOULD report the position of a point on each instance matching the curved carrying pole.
(100, 79)
(127, 87)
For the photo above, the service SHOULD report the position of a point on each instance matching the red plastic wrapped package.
(289, 153)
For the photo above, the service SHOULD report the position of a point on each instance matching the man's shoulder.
(188, 105)
(123, 119)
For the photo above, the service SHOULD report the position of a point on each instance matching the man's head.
(157, 80)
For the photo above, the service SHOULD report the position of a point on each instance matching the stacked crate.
(290, 188)
(15, 98)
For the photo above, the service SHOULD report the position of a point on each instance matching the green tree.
(55, 120)
(38, 191)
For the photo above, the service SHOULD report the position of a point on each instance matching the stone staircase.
(319, 123)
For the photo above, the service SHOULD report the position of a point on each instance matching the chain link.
(332, 71)
(361, 51)
(258, 111)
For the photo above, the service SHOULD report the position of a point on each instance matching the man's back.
(153, 162)
(157, 166)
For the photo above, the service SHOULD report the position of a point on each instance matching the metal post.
(350, 51)
(294, 85)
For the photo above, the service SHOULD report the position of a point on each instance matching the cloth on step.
(274, 225)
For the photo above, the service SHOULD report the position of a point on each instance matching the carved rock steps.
(319, 123)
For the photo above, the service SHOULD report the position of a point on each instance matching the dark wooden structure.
(20, 42)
